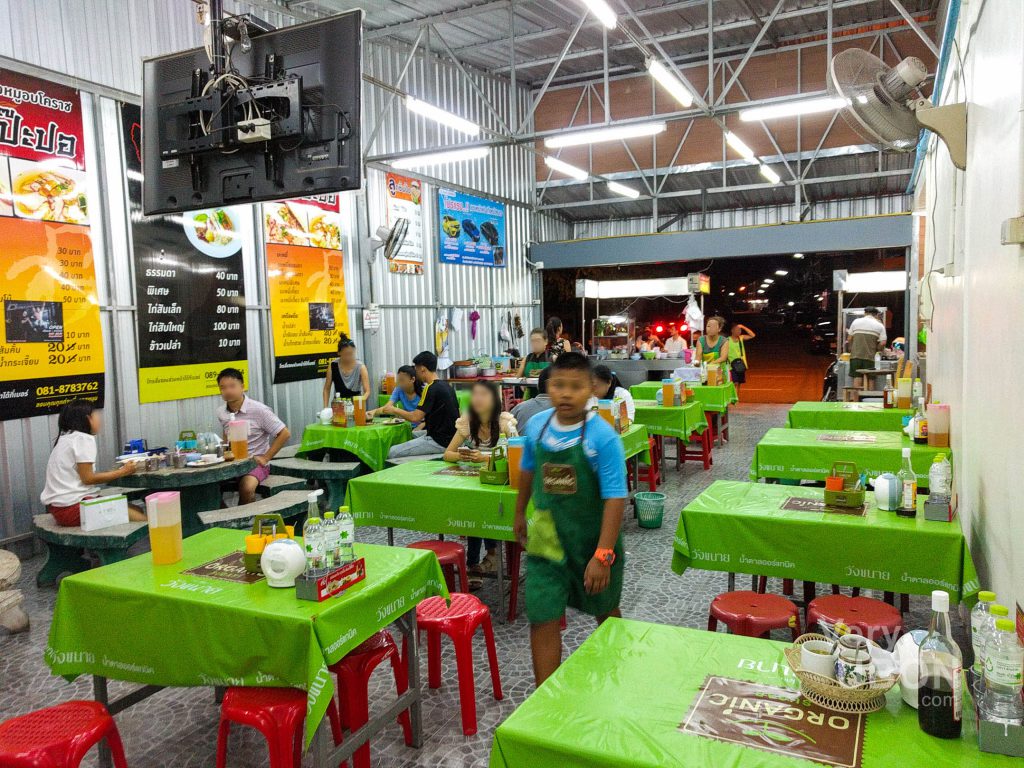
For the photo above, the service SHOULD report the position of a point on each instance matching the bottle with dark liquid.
(940, 692)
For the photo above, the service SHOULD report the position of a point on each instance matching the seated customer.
(527, 409)
(608, 387)
(71, 470)
(438, 410)
(407, 394)
(267, 433)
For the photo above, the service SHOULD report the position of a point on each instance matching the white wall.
(975, 353)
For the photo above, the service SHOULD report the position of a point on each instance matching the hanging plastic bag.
(694, 315)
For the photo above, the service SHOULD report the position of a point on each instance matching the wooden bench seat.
(288, 504)
(65, 544)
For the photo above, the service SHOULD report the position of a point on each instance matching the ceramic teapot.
(325, 416)
(282, 562)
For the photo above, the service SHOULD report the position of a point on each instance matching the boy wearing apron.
(573, 467)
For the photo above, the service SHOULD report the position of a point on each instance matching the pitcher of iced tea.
(163, 511)
(238, 438)
(359, 410)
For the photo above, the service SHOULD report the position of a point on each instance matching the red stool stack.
(452, 557)
(871, 618)
(459, 622)
(277, 713)
(59, 736)
(753, 614)
(353, 673)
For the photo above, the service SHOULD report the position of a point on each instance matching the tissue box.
(104, 512)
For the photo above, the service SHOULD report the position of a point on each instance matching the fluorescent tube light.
(798, 255)
(603, 12)
(732, 293)
(792, 108)
(441, 116)
(441, 158)
(736, 143)
(564, 168)
(768, 281)
(769, 174)
(623, 190)
(782, 272)
(670, 82)
(614, 133)
(760, 290)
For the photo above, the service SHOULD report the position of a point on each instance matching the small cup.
(816, 656)
(833, 483)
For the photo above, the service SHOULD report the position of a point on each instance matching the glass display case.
(612, 335)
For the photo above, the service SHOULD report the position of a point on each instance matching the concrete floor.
(178, 727)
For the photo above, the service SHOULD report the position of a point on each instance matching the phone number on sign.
(69, 389)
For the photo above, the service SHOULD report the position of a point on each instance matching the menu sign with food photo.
(404, 201)
(189, 288)
(306, 279)
(52, 350)
(472, 229)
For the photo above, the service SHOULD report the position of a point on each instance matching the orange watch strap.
(605, 556)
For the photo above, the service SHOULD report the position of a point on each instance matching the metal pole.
(912, 23)
(514, 87)
(554, 69)
(583, 322)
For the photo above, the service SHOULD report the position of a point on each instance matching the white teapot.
(282, 562)
(325, 416)
(887, 491)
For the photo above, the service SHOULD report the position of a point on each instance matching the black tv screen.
(303, 81)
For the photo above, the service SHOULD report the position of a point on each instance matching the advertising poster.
(472, 229)
(189, 289)
(306, 278)
(52, 350)
(404, 202)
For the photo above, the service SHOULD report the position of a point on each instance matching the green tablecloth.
(741, 527)
(676, 421)
(369, 444)
(716, 399)
(872, 416)
(808, 454)
(620, 698)
(153, 624)
(634, 442)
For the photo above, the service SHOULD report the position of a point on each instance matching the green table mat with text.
(809, 414)
(370, 444)
(716, 399)
(620, 698)
(676, 421)
(155, 625)
(741, 527)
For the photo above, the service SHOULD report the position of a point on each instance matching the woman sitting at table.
(608, 387)
(407, 394)
(347, 375)
(712, 347)
(480, 427)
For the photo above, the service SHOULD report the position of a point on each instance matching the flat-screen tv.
(281, 119)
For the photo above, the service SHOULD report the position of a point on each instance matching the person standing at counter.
(648, 341)
(539, 357)
(347, 375)
(267, 433)
(556, 344)
(438, 410)
(712, 347)
(867, 338)
(739, 335)
(676, 342)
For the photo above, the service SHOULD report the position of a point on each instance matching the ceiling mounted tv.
(279, 117)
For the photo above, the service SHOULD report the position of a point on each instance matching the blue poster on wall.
(472, 229)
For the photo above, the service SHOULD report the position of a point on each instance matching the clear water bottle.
(332, 541)
(1004, 675)
(313, 541)
(940, 684)
(988, 628)
(347, 535)
(940, 479)
(980, 617)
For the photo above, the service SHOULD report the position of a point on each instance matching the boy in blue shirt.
(407, 394)
(574, 469)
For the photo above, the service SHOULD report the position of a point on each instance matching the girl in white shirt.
(608, 387)
(70, 470)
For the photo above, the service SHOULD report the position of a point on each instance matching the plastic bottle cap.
(342, 510)
(986, 597)
(998, 610)
(328, 515)
(1005, 625)
(906, 453)
(939, 458)
(313, 520)
(940, 601)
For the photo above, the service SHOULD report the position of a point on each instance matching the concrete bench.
(408, 459)
(64, 545)
(288, 504)
(288, 452)
(333, 475)
(274, 484)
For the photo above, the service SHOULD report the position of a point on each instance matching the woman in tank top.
(346, 375)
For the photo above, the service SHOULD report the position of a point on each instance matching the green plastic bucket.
(650, 508)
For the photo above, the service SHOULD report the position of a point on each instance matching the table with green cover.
(808, 454)
(158, 626)
(369, 444)
(462, 395)
(809, 414)
(715, 399)
(621, 698)
(678, 421)
(742, 527)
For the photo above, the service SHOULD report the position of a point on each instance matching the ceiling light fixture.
(441, 158)
(441, 116)
(768, 281)
(670, 82)
(798, 255)
(603, 12)
(736, 143)
(732, 293)
(790, 303)
(564, 168)
(623, 190)
(792, 109)
(769, 174)
(782, 272)
(597, 135)
(760, 290)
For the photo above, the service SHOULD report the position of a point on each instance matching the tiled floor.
(178, 727)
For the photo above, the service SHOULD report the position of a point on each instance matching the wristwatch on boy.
(605, 557)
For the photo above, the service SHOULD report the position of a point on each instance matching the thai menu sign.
(306, 278)
(404, 201)
(52, 350)
(471, 229)
(189, 288)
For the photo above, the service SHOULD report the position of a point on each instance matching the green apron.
(710, 355)
(563, 535)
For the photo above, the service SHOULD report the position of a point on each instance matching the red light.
(683, 327)
(659, 329)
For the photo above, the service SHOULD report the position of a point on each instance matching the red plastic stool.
(278, 714)
(354, 672)
(452, 557)
(753, 614)
(652, 470)
(701, 453)
(871, 618)
(787, 585)
(459, 622)
(59, 736)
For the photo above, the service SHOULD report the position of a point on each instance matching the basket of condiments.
(839, 674)
(844, 487)
(265, 528)
(496, 470)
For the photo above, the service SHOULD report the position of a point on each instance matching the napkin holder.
(496, 471)
(850, 496)
(319, 586)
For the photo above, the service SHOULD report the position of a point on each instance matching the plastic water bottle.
(332, 541)
(940, 690)
(940, 478)
(988, 628)
(1004, 662)
(980, 616)
(313, 541)
(347, 533)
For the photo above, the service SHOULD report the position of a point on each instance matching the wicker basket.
(829, 694)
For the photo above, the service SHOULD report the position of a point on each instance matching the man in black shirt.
(438, 410)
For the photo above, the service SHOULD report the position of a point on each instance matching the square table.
(621, 698)
(808, 454)
(716, 400)
(809, 414)
(158, 626)
(370, 444)
(742, 527)
(678, 422)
